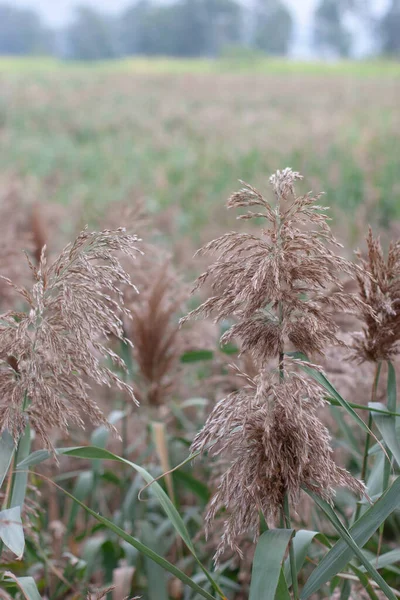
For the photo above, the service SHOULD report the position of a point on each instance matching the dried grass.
(49, 352)
(275, 285)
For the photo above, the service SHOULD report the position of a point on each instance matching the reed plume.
(50, 352)
(379, 289)
(154, 331)
(274, 284)
(153, 327)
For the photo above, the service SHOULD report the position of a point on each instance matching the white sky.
(58, 12)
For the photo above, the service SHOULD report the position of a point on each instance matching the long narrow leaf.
(386, 424)
(165, 564)
(301, 544)
(6, 453)
(325, 383)
(27, 586)
(270, 550)
(356, 406)
(365, 582)
(11, 531)
(386, 560)
(92, 452)
(21, 478)
(354, 539)
(282, 591)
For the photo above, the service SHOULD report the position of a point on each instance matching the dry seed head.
(379, 289)
(50, 352)
(153, 327)
(154, 331)
(274, 283)
(274, 443)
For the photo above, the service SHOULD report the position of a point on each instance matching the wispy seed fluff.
(50, 353)
(379, 288)
(274, 284)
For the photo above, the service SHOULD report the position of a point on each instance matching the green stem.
(364, 467)
(292, 558)
(286, 509)
(366, 449)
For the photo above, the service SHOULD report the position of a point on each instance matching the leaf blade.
(270, 550)
(339, 556)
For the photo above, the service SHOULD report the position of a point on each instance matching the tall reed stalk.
(272, 285)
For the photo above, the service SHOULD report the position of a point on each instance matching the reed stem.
(368, 438)
(292, 558)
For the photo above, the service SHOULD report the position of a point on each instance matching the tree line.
(194, 28)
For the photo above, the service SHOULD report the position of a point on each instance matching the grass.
(250, 63)
(180, 133)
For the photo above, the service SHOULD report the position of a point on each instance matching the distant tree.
(224, 24)
(389, 29)
(91, 36)
(330, 34)
(133, 20)
(22, 31)
(273, 26)
(182, 28)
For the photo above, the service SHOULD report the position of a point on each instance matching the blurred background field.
(182, 132)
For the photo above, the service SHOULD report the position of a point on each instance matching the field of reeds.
(240, 441)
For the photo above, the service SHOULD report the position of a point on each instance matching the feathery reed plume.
(50, 352)
(379, 288)
(275, 285)
(154, 331)
(276, 444)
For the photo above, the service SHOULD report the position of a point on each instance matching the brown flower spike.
(49, 354)
(379, 285)
(275, 285)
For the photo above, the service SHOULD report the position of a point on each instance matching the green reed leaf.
(27, 585)
(91, 452)
(353, 540)
(326, 384)
(21, 478)
(145, 550)
(6, 453)
(270, 551)
(386, 424)
(11, 531)
(301, 545)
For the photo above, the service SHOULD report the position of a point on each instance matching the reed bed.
(144, 454)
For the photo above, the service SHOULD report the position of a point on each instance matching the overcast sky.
(58, 12)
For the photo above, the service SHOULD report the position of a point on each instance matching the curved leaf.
(325, 383)
(165, 564)
(6, 453)
(27, 586)
(386, 424)
(11, 531)
(270, 551)
(301, 544)
(92, 452)
(352, 540)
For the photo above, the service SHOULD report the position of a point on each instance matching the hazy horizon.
(58, 14)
